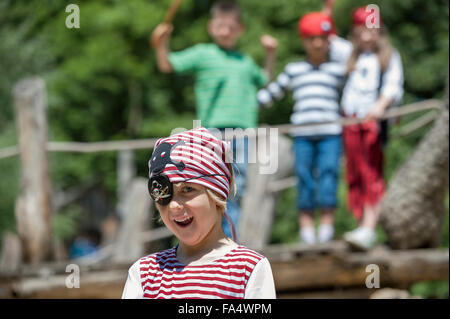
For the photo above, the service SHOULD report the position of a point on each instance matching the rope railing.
(107, 146)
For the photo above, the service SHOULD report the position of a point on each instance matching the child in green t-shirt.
(226, 81)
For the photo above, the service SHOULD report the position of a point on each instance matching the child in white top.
(190, 182)
(375, 83)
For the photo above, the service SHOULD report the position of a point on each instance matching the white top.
(364, 85)
(231, 271)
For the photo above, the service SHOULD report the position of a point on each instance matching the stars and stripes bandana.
(194, 156)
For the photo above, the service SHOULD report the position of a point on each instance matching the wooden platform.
(333, 269)
(330, 270)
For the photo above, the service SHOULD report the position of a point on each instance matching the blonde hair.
(383, 50)
(219, 200)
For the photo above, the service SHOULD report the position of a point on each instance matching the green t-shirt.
(226, 84)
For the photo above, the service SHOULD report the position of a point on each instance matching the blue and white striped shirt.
(316, 91)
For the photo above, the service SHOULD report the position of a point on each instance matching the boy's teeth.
(183, 220)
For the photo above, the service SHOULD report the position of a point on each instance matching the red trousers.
(364, 168)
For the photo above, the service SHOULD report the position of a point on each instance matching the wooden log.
(103, 284)
(328, 270)
(33, 206)
(299, 268)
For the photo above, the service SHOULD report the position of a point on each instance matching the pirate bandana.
(363, 15)
(316, 24)
(194, 156)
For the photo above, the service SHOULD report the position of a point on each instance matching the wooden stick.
(416, 124)
(170, 14)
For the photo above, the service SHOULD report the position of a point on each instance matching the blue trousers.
(317, 169)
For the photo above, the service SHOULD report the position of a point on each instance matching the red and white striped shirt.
(240, 273)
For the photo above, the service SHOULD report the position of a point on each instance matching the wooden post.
(126, 171)
(136, 219)
(33, 206)
(255, 224)
(11, 253)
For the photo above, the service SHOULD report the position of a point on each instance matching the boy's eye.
(188, 189)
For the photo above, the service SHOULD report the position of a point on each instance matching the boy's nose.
(317, 42)
(224, 31)
(175, 204)
(366, 36)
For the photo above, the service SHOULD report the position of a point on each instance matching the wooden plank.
(33, 206)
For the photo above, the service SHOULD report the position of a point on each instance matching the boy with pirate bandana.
(190, 182)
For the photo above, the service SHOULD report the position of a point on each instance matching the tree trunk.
(33, 206)
(413, 210)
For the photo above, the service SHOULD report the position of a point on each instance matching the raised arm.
(270, 45)
(160, 40)
(328, 7)
(274, 90)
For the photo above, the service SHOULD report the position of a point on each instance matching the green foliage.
(64, 224)
(430, 289)
(9, 182)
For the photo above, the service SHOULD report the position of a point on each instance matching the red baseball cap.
(360, 16)
(316, 24)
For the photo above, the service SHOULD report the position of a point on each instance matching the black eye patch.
(160, 189)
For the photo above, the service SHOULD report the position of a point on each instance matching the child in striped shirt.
(190, 181)
(316, 84)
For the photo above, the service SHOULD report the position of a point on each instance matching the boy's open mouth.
(184, 221)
